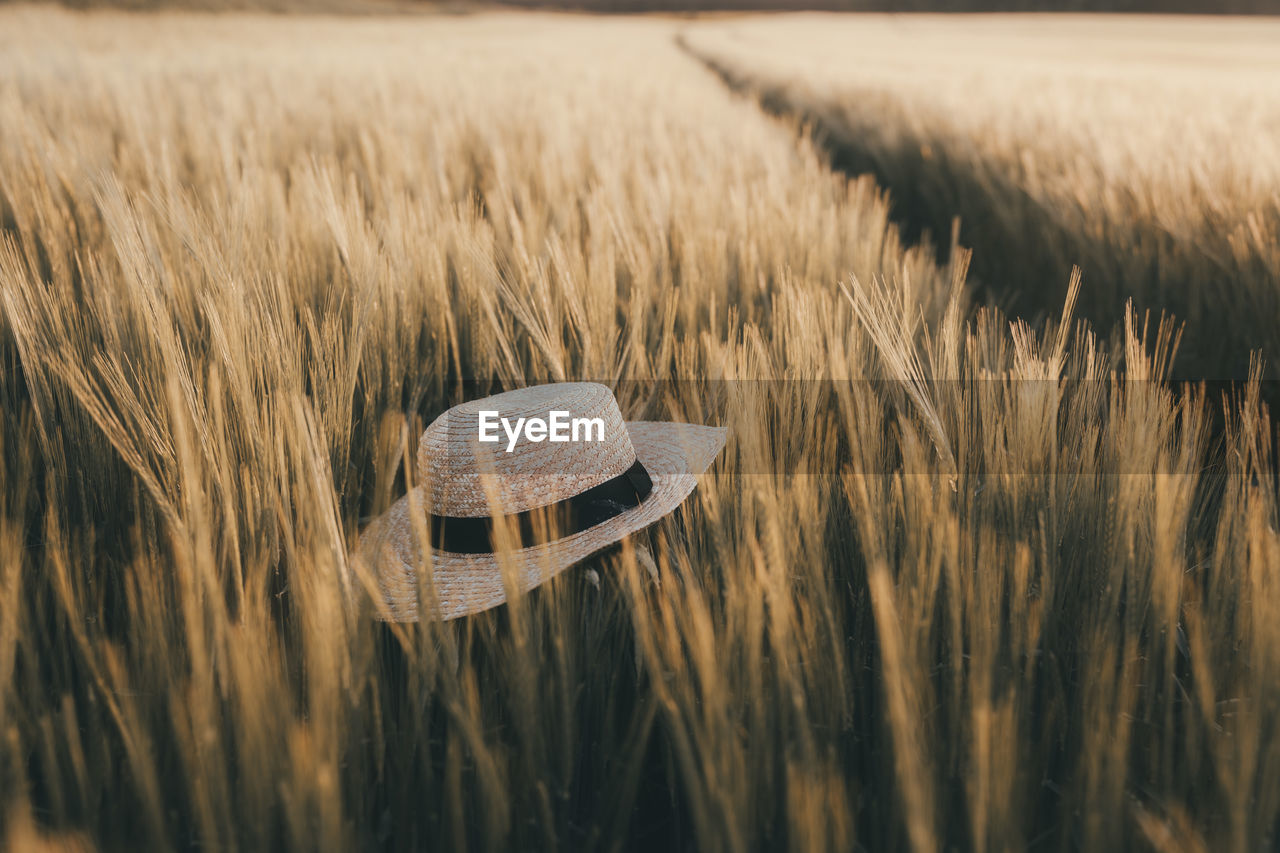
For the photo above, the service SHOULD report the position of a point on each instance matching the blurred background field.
(1146, 150)
(1029, 598)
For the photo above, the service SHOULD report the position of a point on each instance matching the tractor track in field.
(916, 219)
(1022, 258)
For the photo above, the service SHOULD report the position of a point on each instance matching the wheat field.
(1144, 149)
(961, 579)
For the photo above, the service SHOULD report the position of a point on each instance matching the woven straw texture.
(451, 462)
(460, 478)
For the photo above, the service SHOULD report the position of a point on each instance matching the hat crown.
(461, 475)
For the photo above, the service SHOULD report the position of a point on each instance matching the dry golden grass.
(956, 581)
(1144, 149)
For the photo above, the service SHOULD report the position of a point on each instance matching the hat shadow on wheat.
(482, 522)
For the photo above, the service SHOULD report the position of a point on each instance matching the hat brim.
(673, 453)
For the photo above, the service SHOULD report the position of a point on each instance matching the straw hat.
(531, 511)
